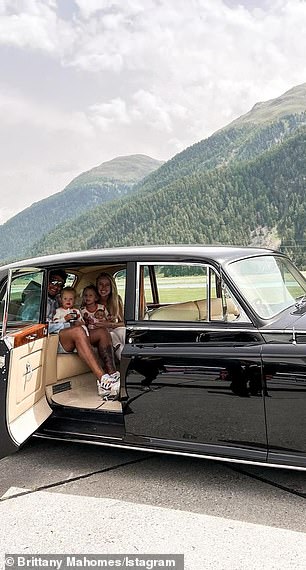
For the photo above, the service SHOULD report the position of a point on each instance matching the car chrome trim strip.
(213, 329)
(283, 331)
(77, 433)
(194, 328)
(179, 453)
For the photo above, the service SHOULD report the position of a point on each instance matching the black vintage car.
(213, 365)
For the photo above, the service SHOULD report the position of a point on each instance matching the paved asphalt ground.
(59, 497)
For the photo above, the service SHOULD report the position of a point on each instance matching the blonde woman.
(109, 297)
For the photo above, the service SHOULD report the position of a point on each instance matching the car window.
(24, 297)
(147, 285)
(71, 280)
(181, 283)
(3, 293)
(184, 292)
(269, 283)
(120, 279)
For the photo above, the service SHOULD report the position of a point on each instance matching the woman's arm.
(107, 325)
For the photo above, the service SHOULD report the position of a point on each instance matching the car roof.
(219, 254)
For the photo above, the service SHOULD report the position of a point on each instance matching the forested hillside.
(244, 184)
(231, 144)
(107, 182)
(228, 205)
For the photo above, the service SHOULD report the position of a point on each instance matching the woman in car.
(111, 300)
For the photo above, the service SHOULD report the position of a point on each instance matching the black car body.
(214, 361)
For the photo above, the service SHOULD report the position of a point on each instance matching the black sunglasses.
(57, 283)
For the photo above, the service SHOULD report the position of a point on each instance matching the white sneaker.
(115, 386)
(115, 376)
(104, 385)
(109, 385)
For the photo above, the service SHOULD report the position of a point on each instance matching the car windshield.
(269, 283)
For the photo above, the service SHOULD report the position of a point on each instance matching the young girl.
(92, 311)
(67, 312)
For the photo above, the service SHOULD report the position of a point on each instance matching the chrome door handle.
(135, 335)
(28, 373)
(31, 336)
(203, 337)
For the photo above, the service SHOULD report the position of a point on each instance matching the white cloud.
(33, 24)
(20, 112)
(120, 77)
(208, 59)
(90, 8)
(107, 115)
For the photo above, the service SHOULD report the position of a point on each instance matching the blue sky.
(84, 81)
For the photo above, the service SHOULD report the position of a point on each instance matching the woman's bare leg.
(102, 340)
(75, 337)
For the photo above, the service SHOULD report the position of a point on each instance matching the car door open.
(22, 359)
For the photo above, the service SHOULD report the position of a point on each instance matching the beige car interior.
(61, 378)
(68, 380)
(195, 311)
(27, 406)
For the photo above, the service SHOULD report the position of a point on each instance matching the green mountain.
(290, 103)
(243, 139)
(243, 185)
(107, 182)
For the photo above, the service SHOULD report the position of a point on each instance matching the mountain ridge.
(267, 111)
(87, 190)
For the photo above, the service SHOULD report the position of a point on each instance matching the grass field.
(173, 289)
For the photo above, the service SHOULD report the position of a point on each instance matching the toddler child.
(92, 311)
(67, 313)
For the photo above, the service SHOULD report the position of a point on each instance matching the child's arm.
(80, 318)
(58, 318)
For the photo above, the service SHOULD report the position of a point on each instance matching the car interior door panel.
(26, 390)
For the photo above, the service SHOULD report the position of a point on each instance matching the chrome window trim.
(158, 326)
(15, 273)
(197, 325)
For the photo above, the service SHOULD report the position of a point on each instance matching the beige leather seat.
(195, 311)
(61, 366)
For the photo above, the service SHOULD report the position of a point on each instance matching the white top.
(61, 313)
(91, 318)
